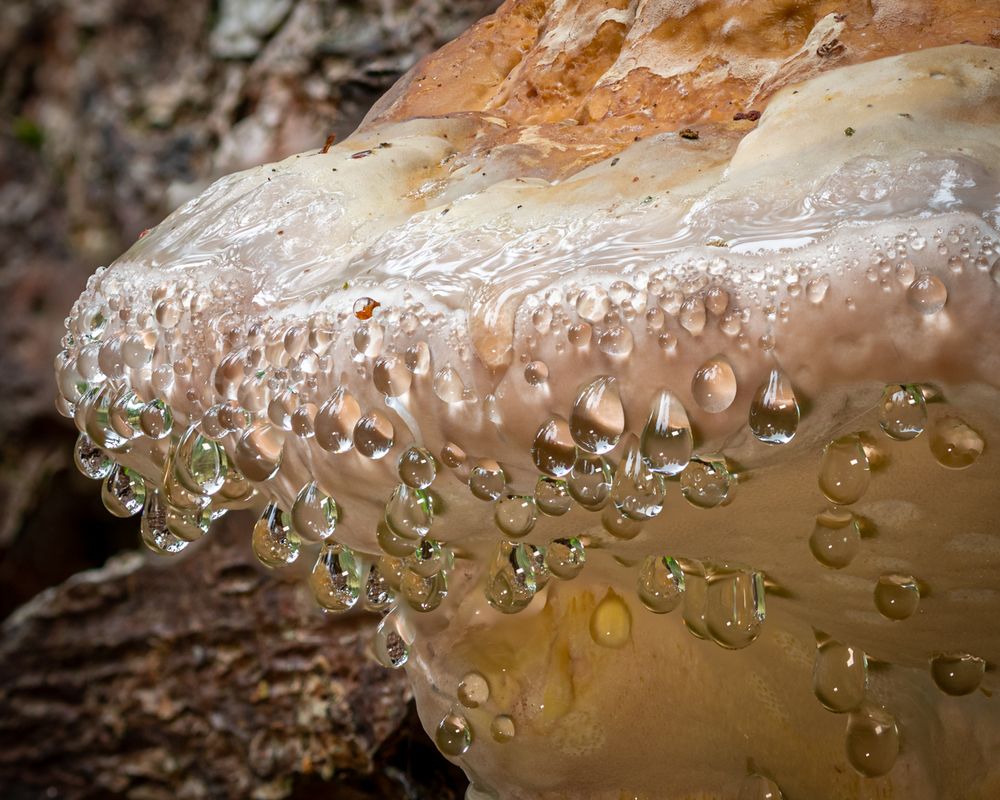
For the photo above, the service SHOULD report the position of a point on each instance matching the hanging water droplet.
(836, 538)
(897, 596)
(637, 491)
(199, 463)
(902, 411)
(429, 558)
(695, 589)
(611, 622)
(502, 729)
(390, 376)
(417, 468)
(666, 441)
(123, 492)
(553, 450)
(156, 420)
(423, 593)
(474, 690)
(454, 735)
(536, 373)
(515, 515)
(90, 459)
(374, 435)
(258, 452)
(757, 787)
(95, 408)
(335, 579)
(598, 417)
(191, 525)
(448, 385)
(335, 421)
(512, 579)
(844, 472)
(393, 638)
(774, 412)
(565, 558)
(954, 444)
(378, 595)
(734, 605)
(153, 527)
(706, 482)
(409, 512)
(552, 497)
(840, 675)
(487, 480)
(927, 294)
(872, 741)
(125, 412)
(661, 584)
(314, 514)
(957, 674)
(274, 542)
(714, 385)
(590, 482)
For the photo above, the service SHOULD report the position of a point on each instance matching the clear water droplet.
(512, 579)
(502, 729)
(638, 492)
(487, 480)
(423, 593)
(417, 468)
(774, 412)
(473, 690)
(453, 735)
(191, 525)
(409, 512)
(840, 675)
(611, 622)
(872, 741)
(902, 411)
(393, 638)
(598, 417)
(429, 558)
(515, 515)
(156, 419)
(957, 674)
(274, 542)
(836, 538)
(390, 376)
(378, 593)
(707, 482)
(954, 444)
(734, 605)
(335, 579)
(123, 492)
(565, 558)
(552, 497)
(714, 385)
(448, 385)
(661, 584)
(335, 421)
(200, 464)
(927, 294)
(666, 442)
(153, 527)
(553, 450)
(90, 459)
(314, 514)
(844, 472)
(258, 452)
(374, 435)
(695, 588)
(590, 482)
(897, 596)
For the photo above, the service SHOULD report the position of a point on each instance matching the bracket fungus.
(612, 320)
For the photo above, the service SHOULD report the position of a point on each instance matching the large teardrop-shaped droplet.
(258, 452)
(902, 411)
(706, 482)
(335, 579)
(453, 735)
(774, 411)
(872, 741)
(565, 558)
(97, 422)
(153, 527)
(448, 385)
(844, 472)
(666, 441)
(511, 580)
(553, 450)
(487, 480)
(734, 605)
(199, 463)
(335, 421)
(836, 538)
(156, 420)
(897, 596)
(123, 492)
(417, 467)
(590, 482)
(840, 675)
(90, 459)
(378, 590)
(598, 417)
(954, 444)
(423, 593)
(125, 413)
(393, 638)
(314, 514)
(957, 674)
(638, 492)
(409, 512)
(274, 542)
(552, 497)
(714, 385)
(661, 584)
(515, 515)
(611, 622)
(374, 435)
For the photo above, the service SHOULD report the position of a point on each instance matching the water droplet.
(553, 450)
(598, 417)
(817, 288)
(734, 605)
(378, 593)
(836, 538)
(123, 492)
(409, 513)
(90, 459)
(692, 315)
(393, 638)
(902, 411)
(96, 407)
(314, 514)
(840, 675)
(927, 294)
(774, 412)
(611, 622)
(757, 787)
(473, 691)
(666, 441)
(552, 497)
(454, 735)
(258, 452)
(536, 373)
(199, 463)
(448, 385)
(190, 525)
(695, 587)
(661, 584)
(153, 527)
(502, 728)
(487, 480)
(872, 741)
(957, 674)
(706, 481)
(844, 472)
(423, 593)
(390, 376)
(714, 385)
(897, 596)
(335, 579)
(515, 515)
(417, 468)
(512, 579)
(590, 482)
(335, 421)
(156, 420)
(565, 558)
(274, 542)
(638, 492)
(954, 444)
(592, 303)
(374, 435)
(429, 558)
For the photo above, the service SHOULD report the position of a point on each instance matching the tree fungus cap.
(702, 294)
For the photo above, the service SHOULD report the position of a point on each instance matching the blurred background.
(112, 113)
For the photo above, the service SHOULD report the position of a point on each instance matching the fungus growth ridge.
(667, 458)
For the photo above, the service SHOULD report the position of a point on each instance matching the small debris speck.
(848, 131)
(688, 133)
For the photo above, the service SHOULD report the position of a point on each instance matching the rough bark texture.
(205, 678)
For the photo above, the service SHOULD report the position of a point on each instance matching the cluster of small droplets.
(455, 734)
